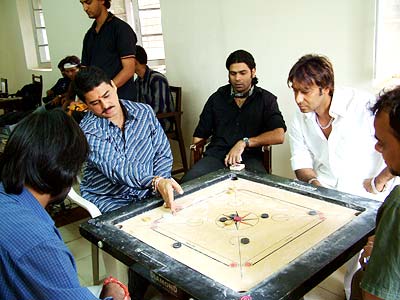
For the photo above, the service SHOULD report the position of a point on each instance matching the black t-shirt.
(226, 123)
(115, 39)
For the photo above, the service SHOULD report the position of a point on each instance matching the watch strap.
(247, 141)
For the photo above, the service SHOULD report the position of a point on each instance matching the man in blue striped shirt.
(39, 164)
(130, 156)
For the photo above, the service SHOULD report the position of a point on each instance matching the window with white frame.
(34, 35)
(42, 44)
(145, 18)
(387, 42)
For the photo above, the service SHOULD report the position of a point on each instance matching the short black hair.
(242, 56)
(107, 3)
(389, 101)
(87, 79)
(72, 59)
(61, 64)
(141, 55)
(45, 151)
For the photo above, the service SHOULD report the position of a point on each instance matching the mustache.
(104, 110)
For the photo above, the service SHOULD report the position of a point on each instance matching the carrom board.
(239, 232)
(238, 235)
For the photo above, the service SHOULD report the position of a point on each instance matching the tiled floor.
(329, 289)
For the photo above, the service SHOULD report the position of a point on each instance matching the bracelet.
(155, 182)
(312, 180)
(123, 286)
(192, 147)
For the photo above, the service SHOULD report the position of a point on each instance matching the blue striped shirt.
(122, 164)
(34, 261)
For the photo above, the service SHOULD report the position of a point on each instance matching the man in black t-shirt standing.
(110, 44)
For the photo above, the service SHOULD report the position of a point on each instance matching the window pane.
(44, 54)
(388, 43)
(117, 7)
(145, 4)
(39, 18)
(41, 36)
(150, 21)
(37, 4)
(154, 46)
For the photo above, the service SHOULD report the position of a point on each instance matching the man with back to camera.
(39, 164)
(130, 157)
(381, 278)
(152, 87)
(110, 45)
(331, 137)
(240, 118)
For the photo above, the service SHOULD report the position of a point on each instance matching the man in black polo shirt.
(240, 118)
(110, 44)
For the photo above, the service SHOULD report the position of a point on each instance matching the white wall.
(12, 56)
(199, 35)
(66, 24)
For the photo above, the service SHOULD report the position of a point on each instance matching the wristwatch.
(247, 141)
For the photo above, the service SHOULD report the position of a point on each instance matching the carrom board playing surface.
(239, 232)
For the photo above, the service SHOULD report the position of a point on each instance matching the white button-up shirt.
(348, 156)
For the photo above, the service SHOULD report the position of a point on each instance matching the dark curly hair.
(107, 3)
(87, 79)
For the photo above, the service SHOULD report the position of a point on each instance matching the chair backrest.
(37, 81)
(267, 158)
(174, 116)
(176, 92)
(175, 132)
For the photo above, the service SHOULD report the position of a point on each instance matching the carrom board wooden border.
(290, 282)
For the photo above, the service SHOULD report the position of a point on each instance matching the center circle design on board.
(236, 220)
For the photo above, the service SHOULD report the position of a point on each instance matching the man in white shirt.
(332, 136)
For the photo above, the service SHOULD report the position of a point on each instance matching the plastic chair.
(94, 212)
(112, 265)
(176, 132)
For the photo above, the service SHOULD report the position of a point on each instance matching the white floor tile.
(83, 282)
(334, 283)
(69, 232)
(84, 266)
(80, 248)
(322, 294)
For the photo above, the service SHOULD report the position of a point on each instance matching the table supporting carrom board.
(11, 103)
(238, 235)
